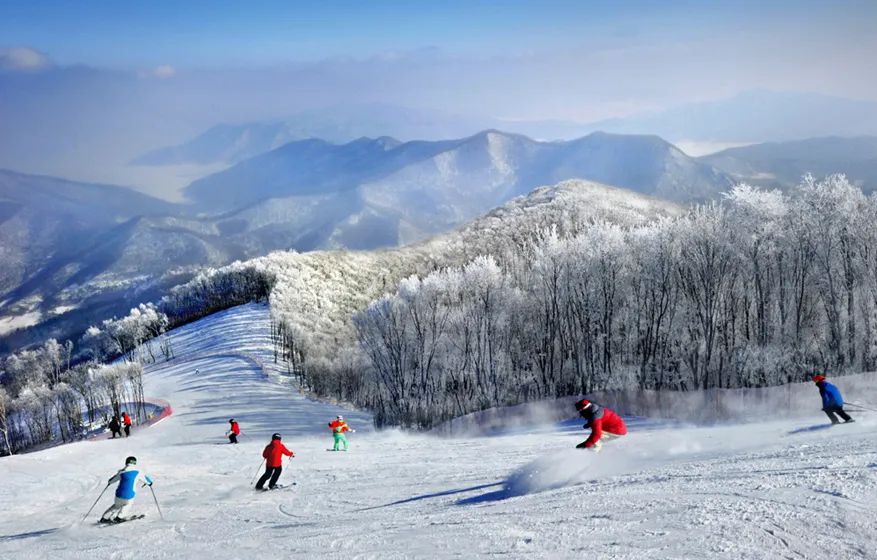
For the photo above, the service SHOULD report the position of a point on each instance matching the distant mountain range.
(44, 221)
(75, 253)
(231, 143)
(754, 116)
(750, 117)
(393, 192)
(780, 164)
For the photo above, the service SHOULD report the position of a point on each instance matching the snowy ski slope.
(781, 489)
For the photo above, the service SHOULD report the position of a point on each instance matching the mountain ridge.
(779, 164)
(300, 167)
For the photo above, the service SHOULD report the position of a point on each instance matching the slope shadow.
(28, 535)
(434, 495)
(503, 493)
(808, 429)
(222, 387)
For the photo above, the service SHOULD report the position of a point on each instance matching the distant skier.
(126, 420)
(233, 431)
(125, 491)
(603, 422)
(115, 427)
(832, 401)
(273, 455)
(339, 428)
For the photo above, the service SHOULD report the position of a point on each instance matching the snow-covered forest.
(573, 289)
(761, 289)
(58, 391)
(44, 398)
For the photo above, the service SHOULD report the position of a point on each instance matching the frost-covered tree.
(5, 412)
(762, 288)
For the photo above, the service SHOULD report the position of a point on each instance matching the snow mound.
(572, 467)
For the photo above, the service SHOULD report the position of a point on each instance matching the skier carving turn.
(604, 423)
(125, 492)
(273, 455)
(832, 401)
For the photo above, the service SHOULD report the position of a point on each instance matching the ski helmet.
(583, 404)
(131, 461)
(231, 420)
(818, 378)
(275, 436)
(339, 417)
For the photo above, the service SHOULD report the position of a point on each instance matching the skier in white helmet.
(339, 427)
(125, 491)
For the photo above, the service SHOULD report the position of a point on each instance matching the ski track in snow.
(769, 490)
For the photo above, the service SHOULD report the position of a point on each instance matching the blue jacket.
(128, 479)
(830, 395)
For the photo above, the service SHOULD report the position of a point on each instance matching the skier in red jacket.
(233, 431)
(126, 420)
(604, 424)
(273, 455)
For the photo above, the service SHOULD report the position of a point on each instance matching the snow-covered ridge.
(318, 292)
(382, 194)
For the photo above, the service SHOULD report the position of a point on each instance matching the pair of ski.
(119, 520)
(276, 487)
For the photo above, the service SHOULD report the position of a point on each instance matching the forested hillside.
(761, 289)
(572, 289)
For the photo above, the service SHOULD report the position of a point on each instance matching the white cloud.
(23, 58)
(697, 148)
(163, 72)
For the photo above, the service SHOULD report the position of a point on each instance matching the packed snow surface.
(774, 489)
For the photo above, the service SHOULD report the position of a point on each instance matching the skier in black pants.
(234, 431)
(832, 401)
(273, 455)
(115, 427)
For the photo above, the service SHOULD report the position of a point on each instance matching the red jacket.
(339, 427)
(274, 453)
(235, 429)
(126, 419)
(608, 421)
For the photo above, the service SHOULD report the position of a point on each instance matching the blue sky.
(198, 33)
(85, 86)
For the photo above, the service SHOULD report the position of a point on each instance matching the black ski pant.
(270, 472)
(127, 431)
(232, 438)
(839, 410)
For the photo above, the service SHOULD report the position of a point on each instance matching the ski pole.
(288, 462)
(96, 501)
(860, 406)
(257, 472)
(156, 502)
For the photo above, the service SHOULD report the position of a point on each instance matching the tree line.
(759, 289)
(58, 392)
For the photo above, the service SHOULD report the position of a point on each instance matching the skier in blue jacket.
(125, 491)
(832, 401)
